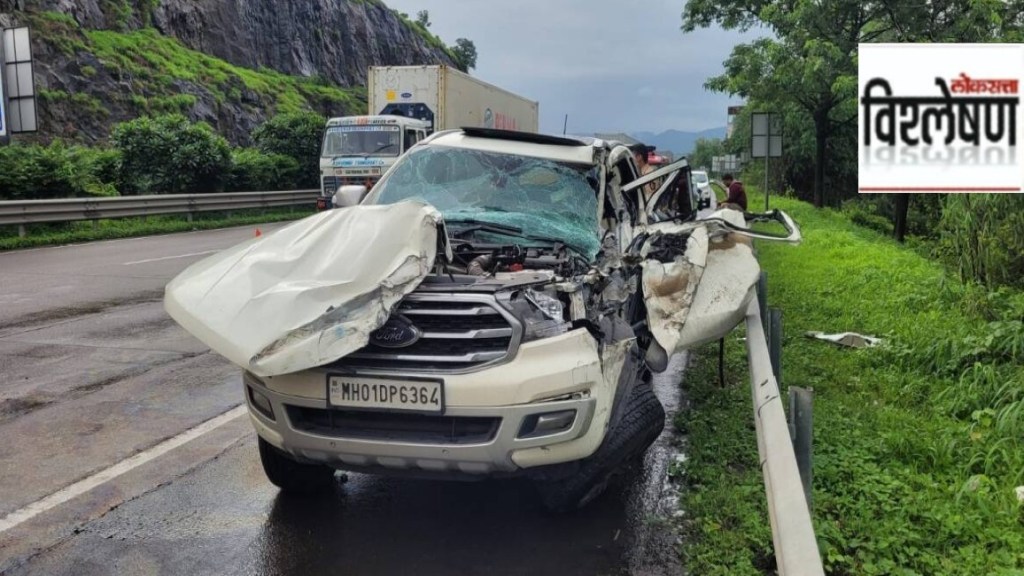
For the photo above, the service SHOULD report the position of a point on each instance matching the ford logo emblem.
(398, 332)
(406, 95)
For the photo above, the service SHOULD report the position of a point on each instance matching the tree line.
(167, 154)
(805, 69)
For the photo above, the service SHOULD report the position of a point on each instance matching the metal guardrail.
(21, 212)
(796, 548)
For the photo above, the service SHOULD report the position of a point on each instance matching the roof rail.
(522, 136)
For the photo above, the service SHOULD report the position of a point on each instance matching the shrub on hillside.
(171, 155)
(35, 172)
(865, 213)
(297, 135)
(252, 170)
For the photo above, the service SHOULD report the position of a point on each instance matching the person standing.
(640, 153)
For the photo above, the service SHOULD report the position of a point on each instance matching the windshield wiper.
(557, 241)
(475, 225)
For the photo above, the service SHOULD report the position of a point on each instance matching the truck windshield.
(543, 198)
(700, 177)
(362, 141)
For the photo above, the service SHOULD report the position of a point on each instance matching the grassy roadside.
(72, 232)
(918, 445)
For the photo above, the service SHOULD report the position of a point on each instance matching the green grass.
(429, 37)
(720, 193)
(72, 232)
(157, 62)
(918, 445)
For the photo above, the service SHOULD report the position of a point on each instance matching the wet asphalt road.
(95, 373)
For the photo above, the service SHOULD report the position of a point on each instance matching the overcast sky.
(611, 65)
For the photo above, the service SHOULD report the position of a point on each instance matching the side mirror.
(349, 196)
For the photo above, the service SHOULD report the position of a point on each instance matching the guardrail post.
(21, 231)
(801, 429)
(762, 299)
(775, 342)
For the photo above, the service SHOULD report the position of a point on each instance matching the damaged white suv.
(493, 307)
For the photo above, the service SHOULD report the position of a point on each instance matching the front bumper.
(555, 375)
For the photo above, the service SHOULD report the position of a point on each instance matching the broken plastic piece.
(849, 339)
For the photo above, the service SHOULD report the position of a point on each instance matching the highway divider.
(22, 212)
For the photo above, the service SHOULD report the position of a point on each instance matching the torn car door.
(726, 286)
(698, 275)
(311, 292)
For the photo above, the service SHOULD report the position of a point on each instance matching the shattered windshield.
(362, 141)
(543, 198)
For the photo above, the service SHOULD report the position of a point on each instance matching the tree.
(171, 155)
(464, 54)
(704, 150)
(297, 135)
(811, 62)
(807, 69)
(948, 21)
(423, 18)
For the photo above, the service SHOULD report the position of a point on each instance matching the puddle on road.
(225, 518)
(654, 501)
(387, 525)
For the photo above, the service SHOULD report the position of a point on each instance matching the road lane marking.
(82, 486)
(169, 257)
(271, 225)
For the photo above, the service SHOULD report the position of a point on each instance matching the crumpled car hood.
(311, 292)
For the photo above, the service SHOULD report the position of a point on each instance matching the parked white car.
(703, 183)
(494, 307)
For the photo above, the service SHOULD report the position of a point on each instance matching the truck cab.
(357, 150)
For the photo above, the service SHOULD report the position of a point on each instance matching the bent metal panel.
(942, 118)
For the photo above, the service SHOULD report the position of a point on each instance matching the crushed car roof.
(559, 149)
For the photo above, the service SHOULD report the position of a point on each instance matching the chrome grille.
(330, 184)
(460, 333)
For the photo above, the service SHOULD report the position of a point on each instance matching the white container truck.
(448, 99)
(407, 103)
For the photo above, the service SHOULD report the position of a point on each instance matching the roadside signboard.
(766, 135)
(17, 86)
(3, 95)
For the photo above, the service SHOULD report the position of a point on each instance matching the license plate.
(425, 396)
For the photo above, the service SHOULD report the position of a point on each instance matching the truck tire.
(294, 477)
(640, 425)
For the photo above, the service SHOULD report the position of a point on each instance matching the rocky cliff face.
(337, 39)
(103, 61)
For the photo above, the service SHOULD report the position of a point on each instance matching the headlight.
(540, 311)
(551, 306)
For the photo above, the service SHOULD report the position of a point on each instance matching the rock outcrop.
(103, 61)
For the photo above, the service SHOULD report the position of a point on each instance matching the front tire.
(294, 477)
(640, 425)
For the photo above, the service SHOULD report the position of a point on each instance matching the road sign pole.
(4, 128)
(766, 156)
